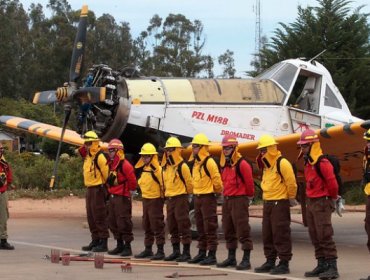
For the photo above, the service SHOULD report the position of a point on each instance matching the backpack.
(334, 161)
(204, 165)
(96, 159)
(295, 171)
(237, 166)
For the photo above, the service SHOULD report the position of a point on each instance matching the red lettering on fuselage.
(238, 134)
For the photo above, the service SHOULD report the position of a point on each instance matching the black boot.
(118, 249)
(281, 268)
(126, 252)
(230, 261)
(185, 254)
(202, 254)
(175, 254)
(210, 259)
(321, 267)
(148, 252)
(368, 278)
(4, 245)
(102, 247)
(160, 253)
(266, 267)
(331, 272)
(93, 243)
(245, 264)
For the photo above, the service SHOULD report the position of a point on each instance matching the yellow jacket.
(367, 186)
(274, 186)
(173, 185)
(149, 187)
(202, 183)
(93, 175)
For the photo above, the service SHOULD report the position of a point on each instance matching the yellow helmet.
(265, 141)
(173, 142)
(367, 135)
(91, 136)
(200, 139)
(148, 149)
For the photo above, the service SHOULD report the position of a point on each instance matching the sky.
(227, 24)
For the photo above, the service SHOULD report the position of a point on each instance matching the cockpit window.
(281, 73)
(330, 99)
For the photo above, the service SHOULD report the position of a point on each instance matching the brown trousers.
(235, 222)
(367, 222)
(96, 210)
(320, 229)
(178, 221)
(205, 210)
(276, 236)
(120, 217)
(153, 221)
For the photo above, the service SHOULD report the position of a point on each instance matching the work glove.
(339, 205)
(293, 202)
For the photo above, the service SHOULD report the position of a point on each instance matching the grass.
(40, 194)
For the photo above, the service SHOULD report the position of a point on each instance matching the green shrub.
(34, 171)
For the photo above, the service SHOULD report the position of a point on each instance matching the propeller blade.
(45, 97)
(90, 94)
(67, 113)
(79, 47)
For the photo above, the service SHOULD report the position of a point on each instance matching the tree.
(172, 48)
(346, 38)
(227, 60)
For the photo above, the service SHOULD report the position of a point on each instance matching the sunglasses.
(146, 156)
(263, 150)
(194, 146)
(88, 143)
(228, 147)
(111, 150)
(304, 146)
(169, 150)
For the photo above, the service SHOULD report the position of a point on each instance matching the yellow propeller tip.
(84, 10)
(36, 98)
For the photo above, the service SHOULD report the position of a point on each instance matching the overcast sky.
(228, 24)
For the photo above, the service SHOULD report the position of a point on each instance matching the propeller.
(69, 92)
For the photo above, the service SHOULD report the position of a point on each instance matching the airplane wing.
(344, 141)
(41, 129)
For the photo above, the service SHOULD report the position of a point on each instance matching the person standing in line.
(95, 173)
(366, 181)
(279, 189)
(6, 178)
(321, 197)
(151, 186)
(178, 185)
(237, 178)
(207, 186)
(121, 180)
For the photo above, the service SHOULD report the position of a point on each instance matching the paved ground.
(35, 232)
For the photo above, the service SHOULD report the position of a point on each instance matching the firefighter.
(95, 173)
(237, 179)
(150, 183)
(121, 180)
(207, 186)
(279, 191)
(321, 195)
(6, 179)
(178, 185)
(366, 180)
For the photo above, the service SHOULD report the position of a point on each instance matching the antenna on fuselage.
(316, 56)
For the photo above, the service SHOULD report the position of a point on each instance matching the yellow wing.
(42, 129)
(344, 141)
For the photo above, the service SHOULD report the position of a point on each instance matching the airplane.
(286, 99)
